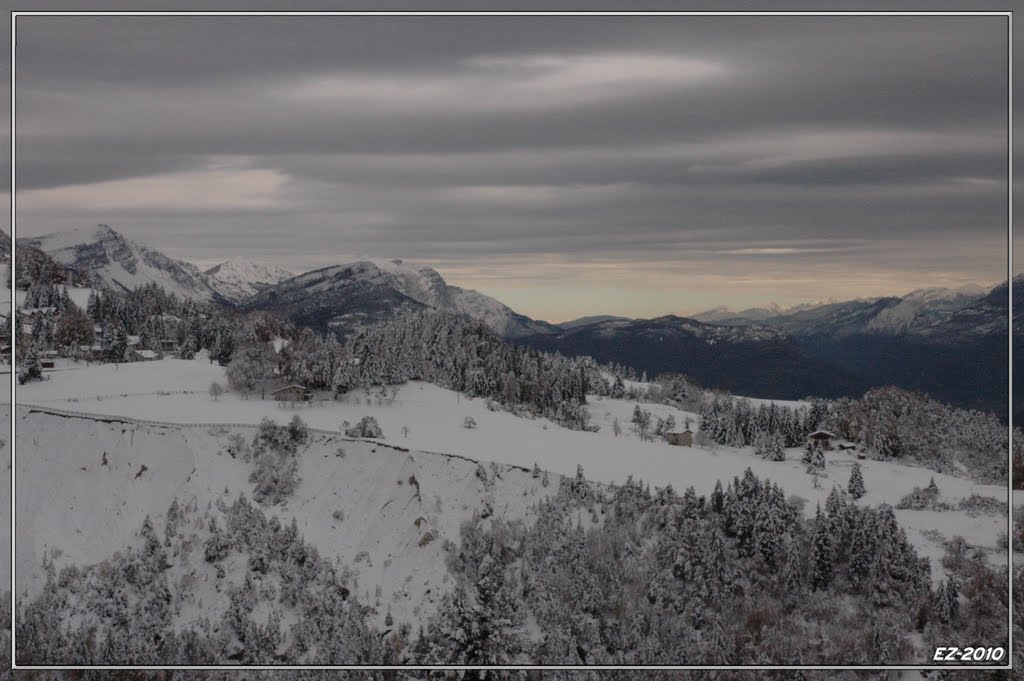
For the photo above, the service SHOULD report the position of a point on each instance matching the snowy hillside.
(112, 260)
(176, 391)
(238, 279)
(384, 510)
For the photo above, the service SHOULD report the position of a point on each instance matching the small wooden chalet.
(136, 355)
(292, 393)
(821, 437)
(680, 439)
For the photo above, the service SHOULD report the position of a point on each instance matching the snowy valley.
(365, 464)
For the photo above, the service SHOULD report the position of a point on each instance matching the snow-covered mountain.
(721, 313)
(114, 261)
(587, 321)
(238, 279)
(922, 308)
(351, 295)
(913, 313)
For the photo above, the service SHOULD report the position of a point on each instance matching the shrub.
(367, 427)
(276, 476)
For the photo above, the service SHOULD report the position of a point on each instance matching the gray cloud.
(522, 150)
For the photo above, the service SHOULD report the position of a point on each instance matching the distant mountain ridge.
(752, 359)
(917, 312)
(345, 297)
(586, 321)
(949, 343)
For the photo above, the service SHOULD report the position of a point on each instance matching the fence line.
(152, 422)
(173, 424)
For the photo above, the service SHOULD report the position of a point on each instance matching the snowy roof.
(289, 387)
(821, 434)
(134, 340)
(678, 432)
(148, 354)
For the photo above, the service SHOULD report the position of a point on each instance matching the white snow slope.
(53, 451)
(396, 508)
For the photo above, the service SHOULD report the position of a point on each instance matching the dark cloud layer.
(680, 162)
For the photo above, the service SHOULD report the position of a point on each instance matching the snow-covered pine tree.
(777, 447)
(856, 486)
(822, 566)
(29, 368)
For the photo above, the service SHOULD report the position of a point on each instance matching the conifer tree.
(792, 569)
(856, 486)
(822, 567)
(776, 447)
(29, 369)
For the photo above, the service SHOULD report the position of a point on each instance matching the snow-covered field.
(383, 511)
(177, 391)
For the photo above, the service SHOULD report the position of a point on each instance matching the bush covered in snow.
(367, 427)
(275, 464)
(922, 499)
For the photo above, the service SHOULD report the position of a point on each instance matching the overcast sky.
(567, 166)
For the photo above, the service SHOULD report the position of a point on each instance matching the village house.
(292, 393)
(821, 437)
(33, 312)
(135, 355)
(93, 353)
(680, 439)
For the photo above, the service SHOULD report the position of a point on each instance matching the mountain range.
(346, 295)
(950, 343)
